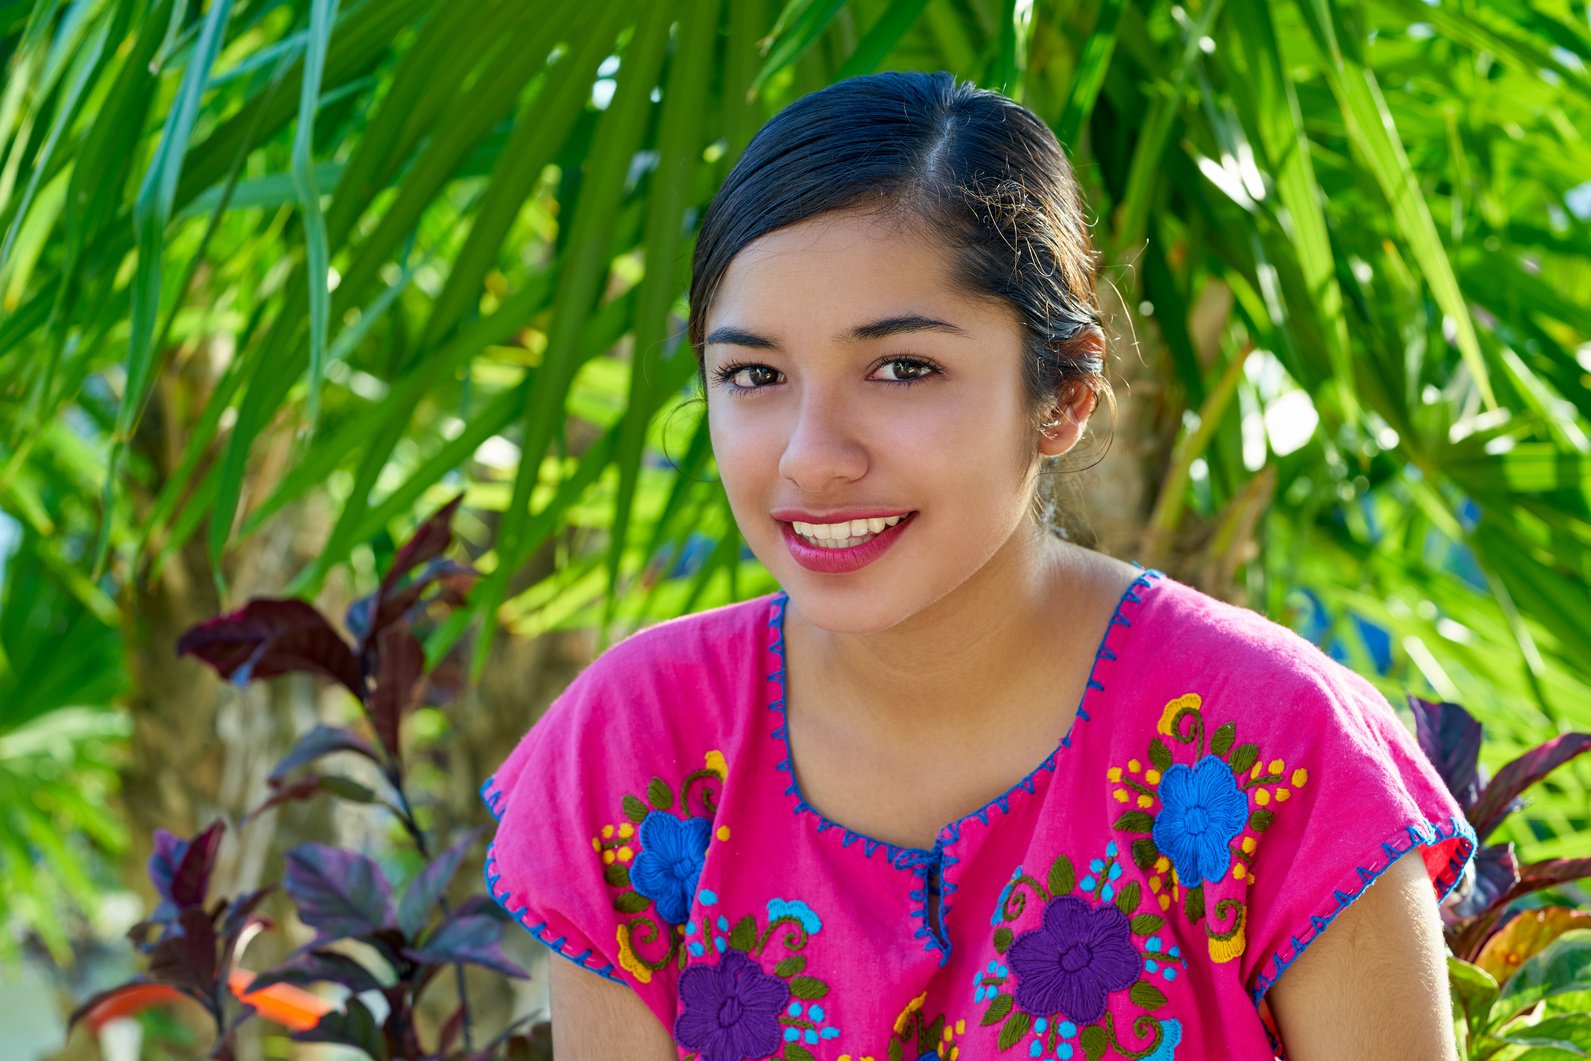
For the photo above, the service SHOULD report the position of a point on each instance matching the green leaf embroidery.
(1135, 821)
(1222, 741)
(634, 809)
(1244, 757)
(660, 794)
(743, 936)
(1062, 877)
(790, 966)
(808, 987)
(631, 903)
(1127, 898)
(1147, 924)
(1160, 755)
(1013, 1030)
(1002, 939)
(794, 1052)
(1094, 1040)
(1144, 852)
(998, 1010)
(1146, 995)
(895, 1053)
(617, 874)
(1193, 904)
(1261, 820)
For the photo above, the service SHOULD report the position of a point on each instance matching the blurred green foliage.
(259, 254)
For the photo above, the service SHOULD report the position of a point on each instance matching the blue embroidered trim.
(493, 797)
(1419, 834)
(922, 862)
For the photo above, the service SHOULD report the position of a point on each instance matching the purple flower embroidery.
(731, 1009)
(1203, 810)
(1080, 956)
(670, 863)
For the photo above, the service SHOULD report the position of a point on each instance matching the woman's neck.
(949, 668)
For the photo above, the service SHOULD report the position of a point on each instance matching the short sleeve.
(1352, 796)
(570, 801)
(607, 808)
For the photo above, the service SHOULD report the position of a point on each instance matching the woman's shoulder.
(660, 703)
(1194, 632)
(704, 658)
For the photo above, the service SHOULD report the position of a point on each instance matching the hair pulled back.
(978, 171)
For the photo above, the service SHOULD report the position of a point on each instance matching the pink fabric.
(651, 831)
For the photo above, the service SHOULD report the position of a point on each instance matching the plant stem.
(412, 826)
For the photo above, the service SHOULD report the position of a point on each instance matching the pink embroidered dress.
(1225, 791)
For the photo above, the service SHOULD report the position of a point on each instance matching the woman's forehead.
(837, 269)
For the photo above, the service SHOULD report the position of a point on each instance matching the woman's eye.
(906, 370)
(748, 377)
(755, 376)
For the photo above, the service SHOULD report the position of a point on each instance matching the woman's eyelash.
(725, 375)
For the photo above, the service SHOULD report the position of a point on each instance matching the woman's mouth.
(841, 547)
(843, 535)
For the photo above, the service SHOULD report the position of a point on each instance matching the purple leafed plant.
(189, 944)
(1451, 739)
(342, 895)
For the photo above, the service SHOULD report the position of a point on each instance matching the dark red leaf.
(339, 893)
(430, 539)
(185, 955)
(370, 615)
(1550, 873)
(1496, 799)
(398, 674)
(191, 862)
(353, 1026)
(271, 636)
(414, 909)
(1451, 739)
(322, 741)
(311, 785)
(320, 967)
(1496, 873)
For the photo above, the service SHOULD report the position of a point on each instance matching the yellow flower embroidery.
(627, 959)
(911, 1007)
(1192, 700)
(715, 763)
(1226, 950)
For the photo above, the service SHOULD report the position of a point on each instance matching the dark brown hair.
(979, 172)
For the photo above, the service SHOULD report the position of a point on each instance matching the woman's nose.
(825, 445)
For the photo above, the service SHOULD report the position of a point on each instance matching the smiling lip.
(840, 561)
(791, 515)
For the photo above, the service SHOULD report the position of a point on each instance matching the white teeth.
(844, 535)
(850, 528)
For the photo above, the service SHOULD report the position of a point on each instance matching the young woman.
(962, 789)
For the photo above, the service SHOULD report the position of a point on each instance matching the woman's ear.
(1063, 426)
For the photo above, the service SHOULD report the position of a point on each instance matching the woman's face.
(848, 381)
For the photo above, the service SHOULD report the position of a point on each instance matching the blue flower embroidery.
(1203, 810)
(797, 909)
(1171, 1037)
(670, 863)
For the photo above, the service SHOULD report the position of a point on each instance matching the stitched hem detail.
(504, 897)
(1420, 834)
(919, 860)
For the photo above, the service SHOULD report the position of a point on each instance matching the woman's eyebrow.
(879, 329)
